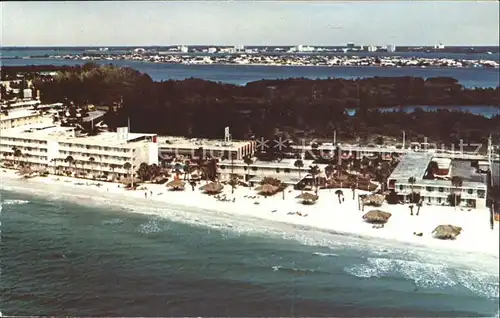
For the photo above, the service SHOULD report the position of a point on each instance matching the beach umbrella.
(339, 192)
(447, 232)
(307, 197)
(267, 189)
(212, 187)
(176, 184)
(377, 216)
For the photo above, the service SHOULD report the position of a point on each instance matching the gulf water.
(66, 253)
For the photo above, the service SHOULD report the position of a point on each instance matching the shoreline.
(477, 237)
(252, 64)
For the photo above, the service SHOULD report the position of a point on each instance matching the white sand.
(326, 214)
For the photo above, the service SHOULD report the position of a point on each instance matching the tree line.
(295, 108)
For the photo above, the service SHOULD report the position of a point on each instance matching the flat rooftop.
(285, 163)
(464, 170)
(107, 139)
(195, 143)
(412, 165)
(93, 115)
(38, 131)
(21, 113)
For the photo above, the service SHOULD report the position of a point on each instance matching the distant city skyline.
(411, 23)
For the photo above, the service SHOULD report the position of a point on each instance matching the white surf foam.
(152, 226)
(324, 254)
(428, 275)
(238, 224)
(112, 221)
(15, 202)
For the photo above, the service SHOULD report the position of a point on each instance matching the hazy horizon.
(257, 23)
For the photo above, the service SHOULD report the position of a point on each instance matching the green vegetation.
(291, 108)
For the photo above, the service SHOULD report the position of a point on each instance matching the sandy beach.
(326, 214)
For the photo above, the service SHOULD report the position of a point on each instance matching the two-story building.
(436, 191)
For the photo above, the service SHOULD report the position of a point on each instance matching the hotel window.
(470, 191)
(277, 170)
(439, 200)
(429, 189)
(481, 194)
(223, 167)
(441, 189)
(287, 170)
(401, 187)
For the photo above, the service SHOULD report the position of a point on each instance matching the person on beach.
(145, 195)
(150, 193)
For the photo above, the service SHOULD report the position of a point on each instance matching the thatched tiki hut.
(307, 198)
(176, 184)
(377, 216)
(447, 232)
(212, 188)
(23, 171)
(372, 199)
(267, 189)
(129, 181)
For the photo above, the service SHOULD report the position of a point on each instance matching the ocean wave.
(428, 275)
(112, 221)
(325, 254)
(15, 202)
(234, 225)
(292, 269)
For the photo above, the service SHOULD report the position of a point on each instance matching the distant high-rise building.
(372, 48)
(391, 48)
(183, 49)
(350, 45)
(239, 48)
(212, 50)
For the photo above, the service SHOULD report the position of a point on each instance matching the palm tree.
(187, 171)
(329, 170)
(411, 181)
(457, 183)
(70, 161)
(299, 164)
(143, 171)
(127, 166)
(248, 161)
(113, 167)
(17, 154)
(91, 160)
(314, 171)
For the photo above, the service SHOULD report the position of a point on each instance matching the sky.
(150, 23)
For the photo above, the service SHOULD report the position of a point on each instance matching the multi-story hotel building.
(21, 117)
(54, 147)
(437, 191)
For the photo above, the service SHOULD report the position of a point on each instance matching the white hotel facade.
(436, 191)
(45, 145)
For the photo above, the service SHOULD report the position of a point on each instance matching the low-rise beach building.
(181, 147)
(284, 170)
(54, 148)
(437, 191)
